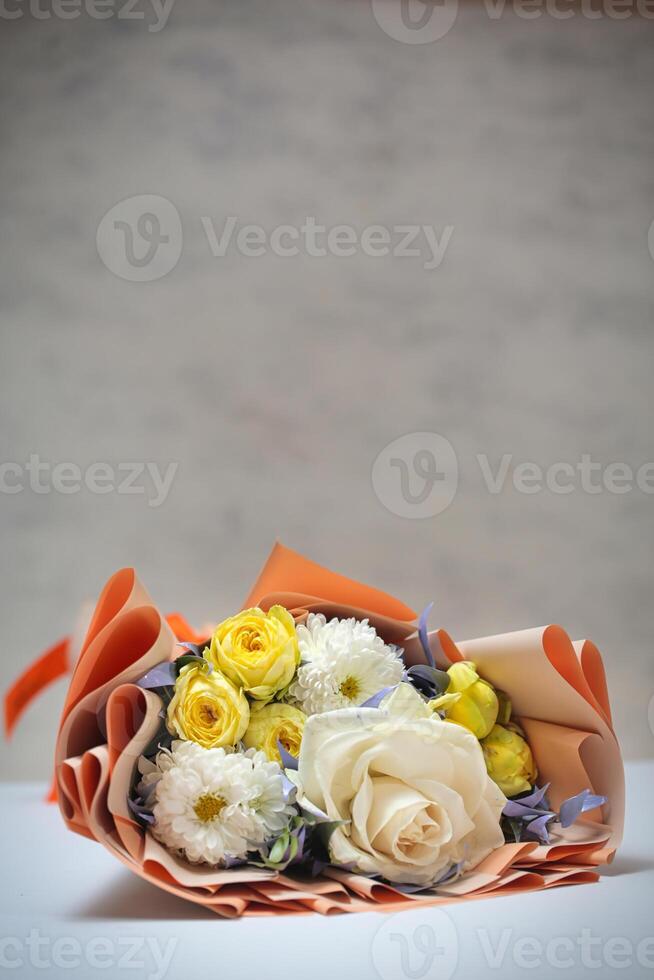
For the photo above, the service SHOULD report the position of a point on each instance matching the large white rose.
(413, 789)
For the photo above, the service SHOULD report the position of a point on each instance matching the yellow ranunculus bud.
(207, 708)
(476, 708)
(258, 651)
(504, 713)
(270, 723)
(509, 761)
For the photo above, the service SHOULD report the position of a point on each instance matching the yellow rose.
(207, 708)
(476, 706)
(509, 761)
(257, 650)
(270, 723)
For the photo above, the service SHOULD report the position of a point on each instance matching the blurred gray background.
(275, 382)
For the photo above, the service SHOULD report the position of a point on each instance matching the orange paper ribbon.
(52, 665)
(49, 667)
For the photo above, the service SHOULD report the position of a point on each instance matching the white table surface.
(69, 909)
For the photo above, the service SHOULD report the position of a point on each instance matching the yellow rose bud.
(258, 651)
(270, 723)
(509, 761)
(207, 708)
(477, 707)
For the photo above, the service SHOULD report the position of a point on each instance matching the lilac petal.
(163, 675)
(538, 827)
(535, 797)
(450, 872)
(231, 862)
(512, 809)
(516, 808)
(316, 814)
(192, 647)
(139, 810)
(289, 788)
(422, 633)
(288, 761)
(574, 806)
(408, 889)
(377, 698)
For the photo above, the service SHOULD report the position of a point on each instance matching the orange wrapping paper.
(557, 687)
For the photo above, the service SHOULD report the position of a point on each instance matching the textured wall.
(274, 382)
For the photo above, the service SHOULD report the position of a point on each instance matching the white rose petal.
(413, 790)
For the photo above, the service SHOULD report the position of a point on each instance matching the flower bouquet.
(323, 750)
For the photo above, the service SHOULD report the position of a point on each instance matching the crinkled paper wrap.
(557, 687)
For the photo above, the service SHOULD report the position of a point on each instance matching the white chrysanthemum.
(213, 804)
(343, 663)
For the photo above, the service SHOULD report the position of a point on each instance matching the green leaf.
(325, 830)
(188, 658)
(278, 849)
(295, 845)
